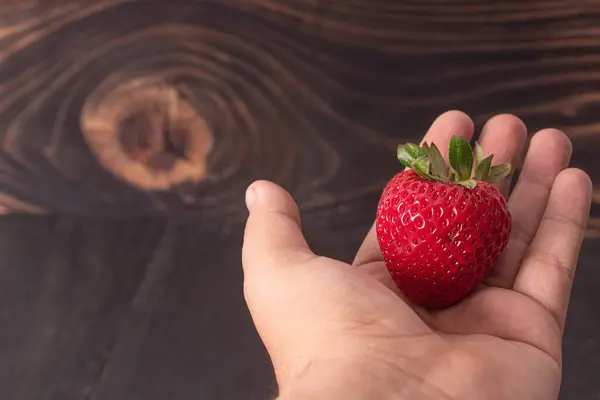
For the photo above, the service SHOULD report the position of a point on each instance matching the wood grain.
(163, 111)
(145, 108)
(124, 309)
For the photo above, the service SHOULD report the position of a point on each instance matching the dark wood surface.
(135, 126)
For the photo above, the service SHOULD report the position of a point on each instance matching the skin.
(335, 330)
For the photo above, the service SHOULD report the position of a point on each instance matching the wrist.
(361, 380)
(330, 382)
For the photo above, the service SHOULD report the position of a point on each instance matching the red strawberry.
(442, 229)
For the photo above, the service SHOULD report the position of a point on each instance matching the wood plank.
(66, 288)
(580, 346)
(120, 107)
(149, 309)
(139, 109)
(189, 335)
(138, 309)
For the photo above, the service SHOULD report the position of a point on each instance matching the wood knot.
(157, 137)
(148, 134)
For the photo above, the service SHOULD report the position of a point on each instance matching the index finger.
(444, 127)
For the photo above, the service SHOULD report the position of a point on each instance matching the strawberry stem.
(461, 157)
(427, 161)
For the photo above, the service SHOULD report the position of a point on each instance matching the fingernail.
(250, 197)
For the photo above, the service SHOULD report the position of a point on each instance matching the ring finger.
(549, 154)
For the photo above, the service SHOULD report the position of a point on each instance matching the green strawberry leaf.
(409, 153)
(482, 170)
(498, 173)
(427, 162)
(479, 154)
(452, 176)
(438, 164)
(461, 157)
(469, 183)
(421, 167)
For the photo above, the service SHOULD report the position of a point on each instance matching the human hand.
(334, 330)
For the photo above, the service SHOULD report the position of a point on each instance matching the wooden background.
(130, 129)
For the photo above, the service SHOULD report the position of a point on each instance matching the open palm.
(502, 342)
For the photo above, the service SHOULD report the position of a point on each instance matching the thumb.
(273, 246)
(273, 237)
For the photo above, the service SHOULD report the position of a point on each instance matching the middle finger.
(504, 136)
(549, 153)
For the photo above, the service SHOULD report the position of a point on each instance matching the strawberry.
(440, 229)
